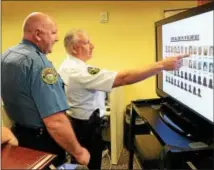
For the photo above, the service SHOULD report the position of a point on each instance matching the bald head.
(41, 30)
(36, 20)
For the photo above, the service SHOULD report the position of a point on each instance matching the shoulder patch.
(93, 70)
(49, 75)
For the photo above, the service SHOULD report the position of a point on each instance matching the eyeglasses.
(84, 42)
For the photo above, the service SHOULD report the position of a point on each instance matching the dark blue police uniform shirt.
(27, 98)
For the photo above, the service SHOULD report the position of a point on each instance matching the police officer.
(33, 93)
(85, 86)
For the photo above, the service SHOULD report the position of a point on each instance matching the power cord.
(106, 153)
(137, 161)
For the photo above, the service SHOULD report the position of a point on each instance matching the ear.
(37, 35)
(73, 49)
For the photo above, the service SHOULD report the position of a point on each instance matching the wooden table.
(16, 157)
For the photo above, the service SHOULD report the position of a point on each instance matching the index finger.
(183, 56)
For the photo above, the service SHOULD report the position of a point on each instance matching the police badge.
(93, 70)
(49, 75)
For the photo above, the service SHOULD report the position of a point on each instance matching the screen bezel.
(186, 14)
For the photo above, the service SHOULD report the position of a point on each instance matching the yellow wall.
(125, 42)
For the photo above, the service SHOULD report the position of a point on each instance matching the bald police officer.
(85, 86)
(33, 93)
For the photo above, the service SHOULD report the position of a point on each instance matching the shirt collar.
(35, 47)
(27, 42)
(76, 60)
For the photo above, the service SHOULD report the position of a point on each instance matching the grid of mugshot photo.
(197, 70)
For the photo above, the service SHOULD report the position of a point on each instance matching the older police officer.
(33, 93)
(85, 86)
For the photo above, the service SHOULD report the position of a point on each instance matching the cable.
(137, 161)
(106, 153)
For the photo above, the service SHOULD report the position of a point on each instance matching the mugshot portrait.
(171, 49)
(178, 49)
(199, 65)
(175, 49)
(186, 52)
(211, 83)
(190, 88)
(166, 79)
(211, 51)
(168, 49)
(195, 50)
(211, 67)
(205, 51)
(199, 80)
(190, 50)
(182, 74)
(185, 86)
(172, 81)
(190, 77)
(175, 82)
(182, 85)
(178, 83)
(169, 79)
(194, 64)
(205, 82)
(205, 66)
(199, 50)
(178, 73)
(190, 63)
(194, 90)
(185, 76)
(194, 78)
(199, 92)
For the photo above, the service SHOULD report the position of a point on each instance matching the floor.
(122, 163)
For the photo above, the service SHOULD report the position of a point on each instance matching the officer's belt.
(27, 130)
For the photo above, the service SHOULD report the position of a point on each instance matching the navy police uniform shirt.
(85, 87)
(31, 87)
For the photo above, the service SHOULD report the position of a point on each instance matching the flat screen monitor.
(190, 32)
